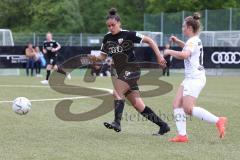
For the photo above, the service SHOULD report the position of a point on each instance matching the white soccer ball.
(21, 105)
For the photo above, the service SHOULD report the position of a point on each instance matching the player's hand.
(53, 50)
(44, 51)
(161, 61)
(92, 58)
(173, 39)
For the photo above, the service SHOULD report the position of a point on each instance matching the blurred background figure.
(106, 67)
(38, 62)
(95, 66)
(168, 59)
(30, 55)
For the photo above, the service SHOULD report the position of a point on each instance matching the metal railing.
(81, 39)
(212, 20)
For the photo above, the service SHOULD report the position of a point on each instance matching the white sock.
(180, 119)
(204, 115)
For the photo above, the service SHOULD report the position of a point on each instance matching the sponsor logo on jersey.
(127, 74)
(117, 49)
(120, 40)
(49, 48)
(190, 45)
(114, 47)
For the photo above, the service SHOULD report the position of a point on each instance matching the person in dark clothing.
(119, 44)
(50, 49)
(168, 59)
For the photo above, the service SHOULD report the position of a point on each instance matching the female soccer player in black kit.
(118, 43)
(50, 49)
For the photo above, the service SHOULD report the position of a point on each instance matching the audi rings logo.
(117, 49)
(226, 57)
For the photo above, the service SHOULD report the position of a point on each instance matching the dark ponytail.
(112, 14)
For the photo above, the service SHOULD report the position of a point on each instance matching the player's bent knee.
(138, 106)
(114, 94)
(135, 105)
(188, 111)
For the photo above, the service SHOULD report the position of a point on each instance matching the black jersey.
(121, 48)
(49, 46)
(121, 43)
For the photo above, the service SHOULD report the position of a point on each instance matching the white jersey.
(194, 63)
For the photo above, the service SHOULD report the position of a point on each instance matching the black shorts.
(130, 74)
(51, 60)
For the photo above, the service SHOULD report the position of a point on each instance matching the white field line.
(110, 91)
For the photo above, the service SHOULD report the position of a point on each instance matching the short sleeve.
(135, 37)
(55, 44)
(190, 46)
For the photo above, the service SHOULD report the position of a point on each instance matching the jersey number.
(201, 57)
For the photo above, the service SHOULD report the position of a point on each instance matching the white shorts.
(192, 87)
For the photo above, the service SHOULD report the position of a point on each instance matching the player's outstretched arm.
(44, 50)
(57, 48)
(154, 47)
(177, 41)
(177, 54)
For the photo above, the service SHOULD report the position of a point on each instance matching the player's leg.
(120, 87)
(59, 69)
(168, 70)
(179, 117)
(48, 70)
(32, 66)
(27, 67)
(178, 111)
(138, 104)
(202, 114)
(193, 89)
(37, 68)
(164, 71)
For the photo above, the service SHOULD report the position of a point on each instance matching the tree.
(63, 16)
(75, 16)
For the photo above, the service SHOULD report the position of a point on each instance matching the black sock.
(48, 74)
(150, 115)
(60, 70)
(118, 110)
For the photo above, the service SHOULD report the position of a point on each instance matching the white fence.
(221, 38)
(81, 39)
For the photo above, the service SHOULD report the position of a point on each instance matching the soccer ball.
(21, 105)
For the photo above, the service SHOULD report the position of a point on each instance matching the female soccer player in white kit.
(195, 79)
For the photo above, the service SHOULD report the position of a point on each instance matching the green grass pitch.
(41, 135)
